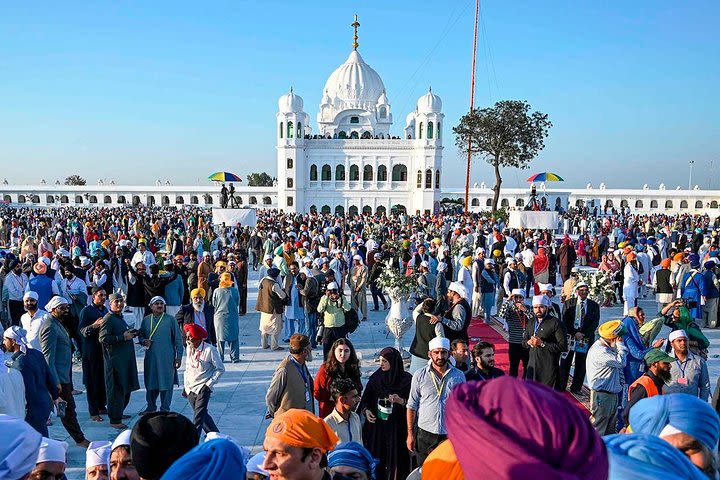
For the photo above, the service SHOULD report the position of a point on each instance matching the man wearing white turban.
(97, 460)
(19, 444)
(51, 460)
(456, 319)
(545, 337)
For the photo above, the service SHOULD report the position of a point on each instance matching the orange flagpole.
(472, 105)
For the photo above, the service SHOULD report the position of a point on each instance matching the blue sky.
(136, 91)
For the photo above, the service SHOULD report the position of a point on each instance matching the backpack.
(352, 321)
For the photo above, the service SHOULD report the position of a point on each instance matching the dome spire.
(355, 26)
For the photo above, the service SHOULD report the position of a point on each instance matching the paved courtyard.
(238, 402)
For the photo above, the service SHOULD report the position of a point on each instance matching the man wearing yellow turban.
(200, 312)
(605, 361)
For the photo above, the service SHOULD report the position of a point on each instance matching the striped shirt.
(516, 320)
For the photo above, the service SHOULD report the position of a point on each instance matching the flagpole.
(472, 105)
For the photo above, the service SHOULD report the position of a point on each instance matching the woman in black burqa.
(386, 439)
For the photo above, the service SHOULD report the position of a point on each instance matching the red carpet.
(479, 330)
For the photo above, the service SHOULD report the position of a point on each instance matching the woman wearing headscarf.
(541, 265)
(386, 439)
(542, 436)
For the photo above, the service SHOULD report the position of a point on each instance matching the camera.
(687, 303)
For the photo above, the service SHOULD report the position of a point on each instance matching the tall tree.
(260, 180)
(505, 135)
(75, 180)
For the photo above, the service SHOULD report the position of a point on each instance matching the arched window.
(353, 210)
(339, 210)
(298, 134)
(313, 209)
(683, 204)
(121, 199)
(325, 177)
(668, 204)
(340, 173)
(8, 199)
(179, 200)
(382, 173)
(367, 210)
(383, 112)
(638, 204)
(63, 199)
(289, 183)
(267, 200)
(92, 199)
(78, 199)
(367, 173)
(430, 131)
(698, 204)
(281, 129)
(475, 202)
(289, 163)
(714, 204)
(624, 204)
(380, 210)
(313, 173)
(399, 173)
(289, 201)
(488, 202)
(194, 200)
(49, 199)
(165, 200)
(653, 204)
(107, 199)
(253, 201)
(290, 130)
(354, 173)
(579, 203)
(366, 135)
(608, 203)
(342, 135)
(428, 178)
(325, 210)
(354, 135)
(419, 179)
(438, 131)
(136, 200)
(505, 203)
(519, 202)
(420, 131)
(437, 178)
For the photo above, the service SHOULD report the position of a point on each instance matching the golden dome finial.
(355, 26)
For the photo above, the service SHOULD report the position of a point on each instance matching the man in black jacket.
(198, 311)
(581, 317)
(545, 337)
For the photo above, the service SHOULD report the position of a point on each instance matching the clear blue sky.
(142, 90)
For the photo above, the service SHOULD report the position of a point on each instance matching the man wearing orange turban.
(296, 446)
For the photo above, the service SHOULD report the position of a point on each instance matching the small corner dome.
(383, 99)
(290, 103)
(410, 119)
(429, 103)
(326, 100)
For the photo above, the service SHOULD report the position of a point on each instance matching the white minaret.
(292, 126)
(425, 126)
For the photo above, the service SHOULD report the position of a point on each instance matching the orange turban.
(442, 464)
(665, 263)
(631, 256)
(300, 428)
(678, 257)
(226, 280)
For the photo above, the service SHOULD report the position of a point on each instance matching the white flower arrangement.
(396, 284)
(600, 285)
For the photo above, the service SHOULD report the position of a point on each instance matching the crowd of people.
(97, 287)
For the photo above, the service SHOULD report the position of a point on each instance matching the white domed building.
(355, 163)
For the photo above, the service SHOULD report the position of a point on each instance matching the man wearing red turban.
(203, 369)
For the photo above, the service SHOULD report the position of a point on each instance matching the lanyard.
(198, 352)
(681, 367)
(439, 389)
(153, 329)
(349, 429)
(537, 325)
(301, 371)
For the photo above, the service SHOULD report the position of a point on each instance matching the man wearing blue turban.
(684, 421)
(353, 460)
(219, 459)
(645, 457)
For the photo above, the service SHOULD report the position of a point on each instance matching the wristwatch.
(542, 344)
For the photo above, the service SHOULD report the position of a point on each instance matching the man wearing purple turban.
(507, 429)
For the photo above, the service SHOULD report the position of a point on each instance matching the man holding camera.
(333, 307)
(121, 376)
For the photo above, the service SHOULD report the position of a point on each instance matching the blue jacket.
(174, 292)
(42, 285)
(708, 288)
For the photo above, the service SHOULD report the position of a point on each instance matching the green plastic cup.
(384, 408)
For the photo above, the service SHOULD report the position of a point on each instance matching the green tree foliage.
(260, 180)
(505, 135)
(75, 180)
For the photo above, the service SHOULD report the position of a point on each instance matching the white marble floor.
(238, 403)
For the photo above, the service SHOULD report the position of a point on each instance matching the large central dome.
(355, 82)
